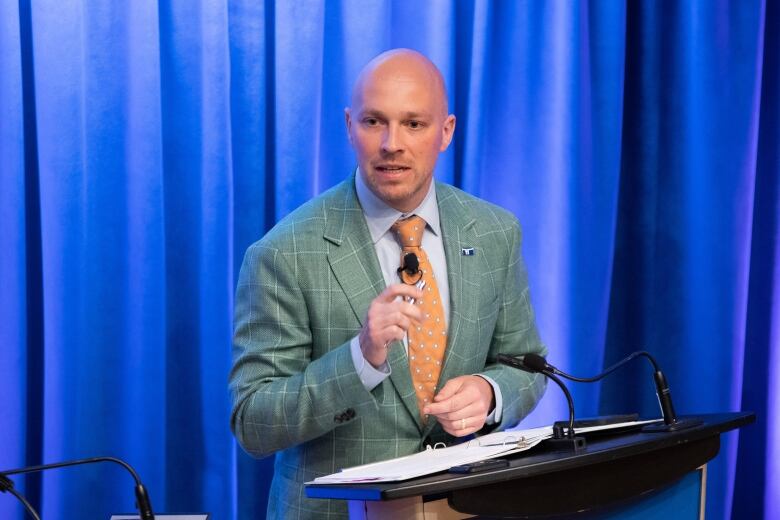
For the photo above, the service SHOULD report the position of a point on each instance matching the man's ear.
(348, 122)
(447, 131)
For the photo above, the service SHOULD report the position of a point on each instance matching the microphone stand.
(6, 484)
(141, 496)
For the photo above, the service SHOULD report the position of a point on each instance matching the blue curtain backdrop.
(145, 145)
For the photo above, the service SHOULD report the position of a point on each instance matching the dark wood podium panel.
(610, 470)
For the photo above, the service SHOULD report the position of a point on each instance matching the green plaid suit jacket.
(303, 293)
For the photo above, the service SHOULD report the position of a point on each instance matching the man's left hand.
(462, 405)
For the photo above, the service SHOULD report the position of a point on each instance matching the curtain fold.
(145, 145)
(18, 349)
(680, 285)
(757, 483)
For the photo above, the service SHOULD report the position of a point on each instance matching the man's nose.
(392, 142)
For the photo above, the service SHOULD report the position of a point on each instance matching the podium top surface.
(540, 461)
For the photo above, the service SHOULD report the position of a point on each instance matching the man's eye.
(415, 125)
(371, 121)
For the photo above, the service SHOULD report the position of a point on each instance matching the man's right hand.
(389, 317)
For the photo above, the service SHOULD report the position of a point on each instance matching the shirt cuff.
(494, 417)
(370, 377)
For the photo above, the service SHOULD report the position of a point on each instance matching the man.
(341, 356)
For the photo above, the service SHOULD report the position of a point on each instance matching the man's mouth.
(391, 168)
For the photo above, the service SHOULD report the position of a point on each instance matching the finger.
(466, 396)
(412, 311)
(386, 327)
(404, 312)
(395, 319)
(380, 311)
(393, 333)
(382, 338)
(390, 325)
(449, 389)
(403, 290)
(450, 405)
(472, 410)
(463, 427)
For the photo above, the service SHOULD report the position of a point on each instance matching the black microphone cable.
(141, 496)
(537, 362)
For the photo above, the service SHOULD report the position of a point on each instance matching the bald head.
(402, 65)
(398, 125)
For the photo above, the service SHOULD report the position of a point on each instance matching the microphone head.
(535, 362)
(411, 263)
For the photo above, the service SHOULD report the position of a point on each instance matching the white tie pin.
(467, 251)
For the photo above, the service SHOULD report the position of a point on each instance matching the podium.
(612, 472)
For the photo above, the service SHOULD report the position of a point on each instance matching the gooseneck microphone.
(536, 363)
(141, 496)
(7, 485)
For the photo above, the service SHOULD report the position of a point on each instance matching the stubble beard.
(402, 194)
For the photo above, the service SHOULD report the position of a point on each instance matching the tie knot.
(409, 231)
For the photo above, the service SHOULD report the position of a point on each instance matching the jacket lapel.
(353, 260)
(355, 265)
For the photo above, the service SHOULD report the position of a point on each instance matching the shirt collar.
(380, 217)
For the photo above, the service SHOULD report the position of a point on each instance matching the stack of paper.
(433, 460)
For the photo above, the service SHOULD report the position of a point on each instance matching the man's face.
(398, 126)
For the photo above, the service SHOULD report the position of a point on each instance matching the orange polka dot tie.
(427, 339)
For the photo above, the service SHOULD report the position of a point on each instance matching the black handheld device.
(482, 465)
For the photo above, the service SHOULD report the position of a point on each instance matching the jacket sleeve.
(282, 394)
(515, 334)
